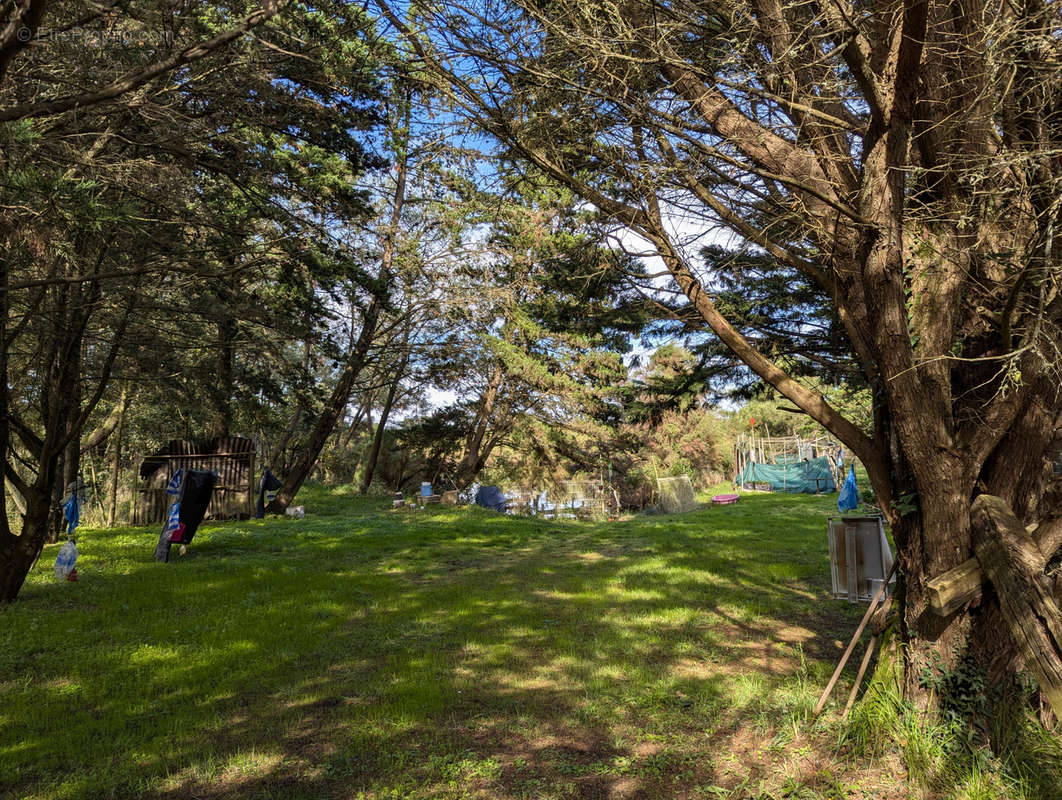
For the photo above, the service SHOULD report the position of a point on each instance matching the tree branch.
(132, 80)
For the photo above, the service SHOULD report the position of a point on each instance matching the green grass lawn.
(451, 653)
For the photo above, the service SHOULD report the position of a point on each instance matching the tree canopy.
(899, 157)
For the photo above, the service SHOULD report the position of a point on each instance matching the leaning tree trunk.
(223, 388)
(116, 458)
(326, 422)
(385, 412)
(19, 553)
(70, 463)
(276, 458)
(475, 456)
(1029, 610)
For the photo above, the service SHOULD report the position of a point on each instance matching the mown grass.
(447, 654)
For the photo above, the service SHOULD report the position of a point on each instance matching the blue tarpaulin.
(491, 497)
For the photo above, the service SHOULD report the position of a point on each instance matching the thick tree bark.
(1020, 468)
(936, 538)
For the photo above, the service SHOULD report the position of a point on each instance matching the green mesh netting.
(794, 477)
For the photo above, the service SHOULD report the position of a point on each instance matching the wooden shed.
(231, 457)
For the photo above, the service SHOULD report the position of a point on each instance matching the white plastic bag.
(64, 562)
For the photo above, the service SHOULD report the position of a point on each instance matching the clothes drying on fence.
(198, 489)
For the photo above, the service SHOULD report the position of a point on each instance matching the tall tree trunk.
(222, 422)
(276, 456)
(385, 412)
(116, 459)
(224, 386)
(63, 412)
(8, 540)
(931, 524)
(102, 433)
(18, 553)
(71, 459)
(355, 423)
(473, 459)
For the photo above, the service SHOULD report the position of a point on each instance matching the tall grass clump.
(981, 742)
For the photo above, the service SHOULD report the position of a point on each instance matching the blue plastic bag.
(849, 497)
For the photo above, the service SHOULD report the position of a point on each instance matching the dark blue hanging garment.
(267, 491)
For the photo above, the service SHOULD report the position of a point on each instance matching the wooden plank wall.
(232, 458)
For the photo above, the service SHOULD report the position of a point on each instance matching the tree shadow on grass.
(512, 660)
